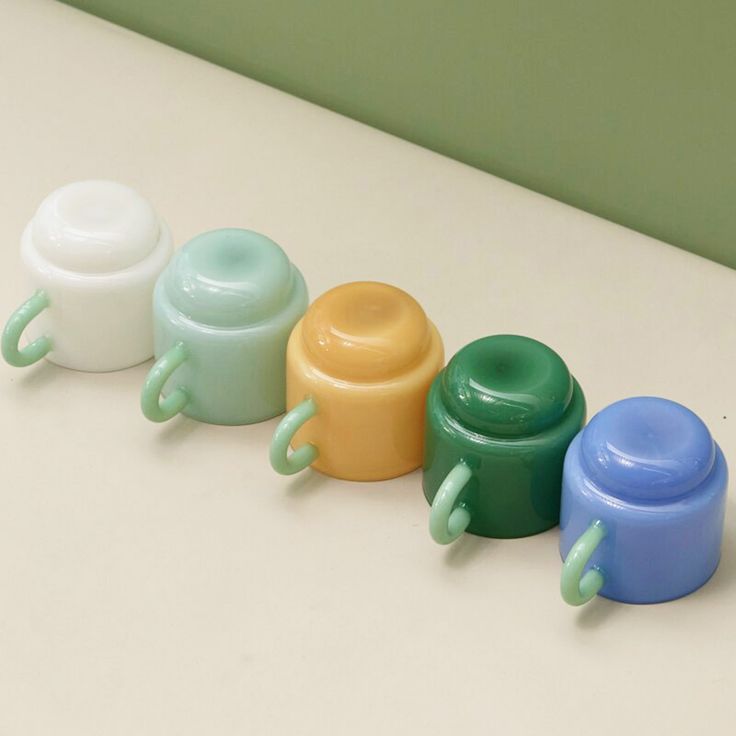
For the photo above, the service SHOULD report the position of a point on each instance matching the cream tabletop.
(164, 580)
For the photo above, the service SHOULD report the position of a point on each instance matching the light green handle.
(448, 519)
(154, 407)
(19, 320)
(303, 456)
(575, 590)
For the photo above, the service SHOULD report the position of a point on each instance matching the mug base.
(368, 477)
(520, 535)
(231, 421)
(645, 601)
(87, 367)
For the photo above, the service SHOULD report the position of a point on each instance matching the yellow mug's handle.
(303, 456)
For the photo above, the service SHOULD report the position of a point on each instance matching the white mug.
(91, 256)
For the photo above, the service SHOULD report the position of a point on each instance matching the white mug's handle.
(19, 320)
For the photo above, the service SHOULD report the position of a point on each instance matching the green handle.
(575, 590)
(303, 456)
(155, 408)
(19, 320)
(448, 519)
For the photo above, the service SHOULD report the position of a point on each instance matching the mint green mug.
(222, 311)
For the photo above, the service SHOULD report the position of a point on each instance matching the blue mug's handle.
(575, 587)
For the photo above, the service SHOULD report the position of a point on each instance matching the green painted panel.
(624, 108)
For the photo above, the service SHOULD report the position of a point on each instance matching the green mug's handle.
(448, 519)
(154, 407)
(575, 589)
(303, 456)
(19, 320)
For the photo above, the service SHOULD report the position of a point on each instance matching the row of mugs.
(639, 492)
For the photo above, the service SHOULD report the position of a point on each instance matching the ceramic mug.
(223, 311)
(643, 502)
(91, 254)
(500, 417)
(358, 368)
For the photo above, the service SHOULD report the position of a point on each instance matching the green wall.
(625, 108)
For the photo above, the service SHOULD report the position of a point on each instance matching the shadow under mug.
(499, 420)
(223, 312)
(91, 254)
(358, 368)
(643, 503)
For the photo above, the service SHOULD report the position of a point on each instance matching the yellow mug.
(359, 365)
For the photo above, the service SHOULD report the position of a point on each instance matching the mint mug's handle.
(303, 456)
(575, 589)
(448, 519)
(154, 407)
(19, 320)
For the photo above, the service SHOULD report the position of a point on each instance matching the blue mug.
(643, 504)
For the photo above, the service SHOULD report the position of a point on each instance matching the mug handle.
(448, 519)
(154, 407)
(576, 590)
(303, 456)
(19, 320)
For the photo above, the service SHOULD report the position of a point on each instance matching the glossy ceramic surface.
(223, 312)
(365, 355)
(647, 472)
(91, 255)
(499, 420)
(95, 227)
(230, 278)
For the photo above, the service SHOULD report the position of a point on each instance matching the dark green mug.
(499, 420)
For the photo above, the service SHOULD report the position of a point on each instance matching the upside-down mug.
(500, 417)
(91, 256)
(358, 368)
(223, 311)
(643, 502)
